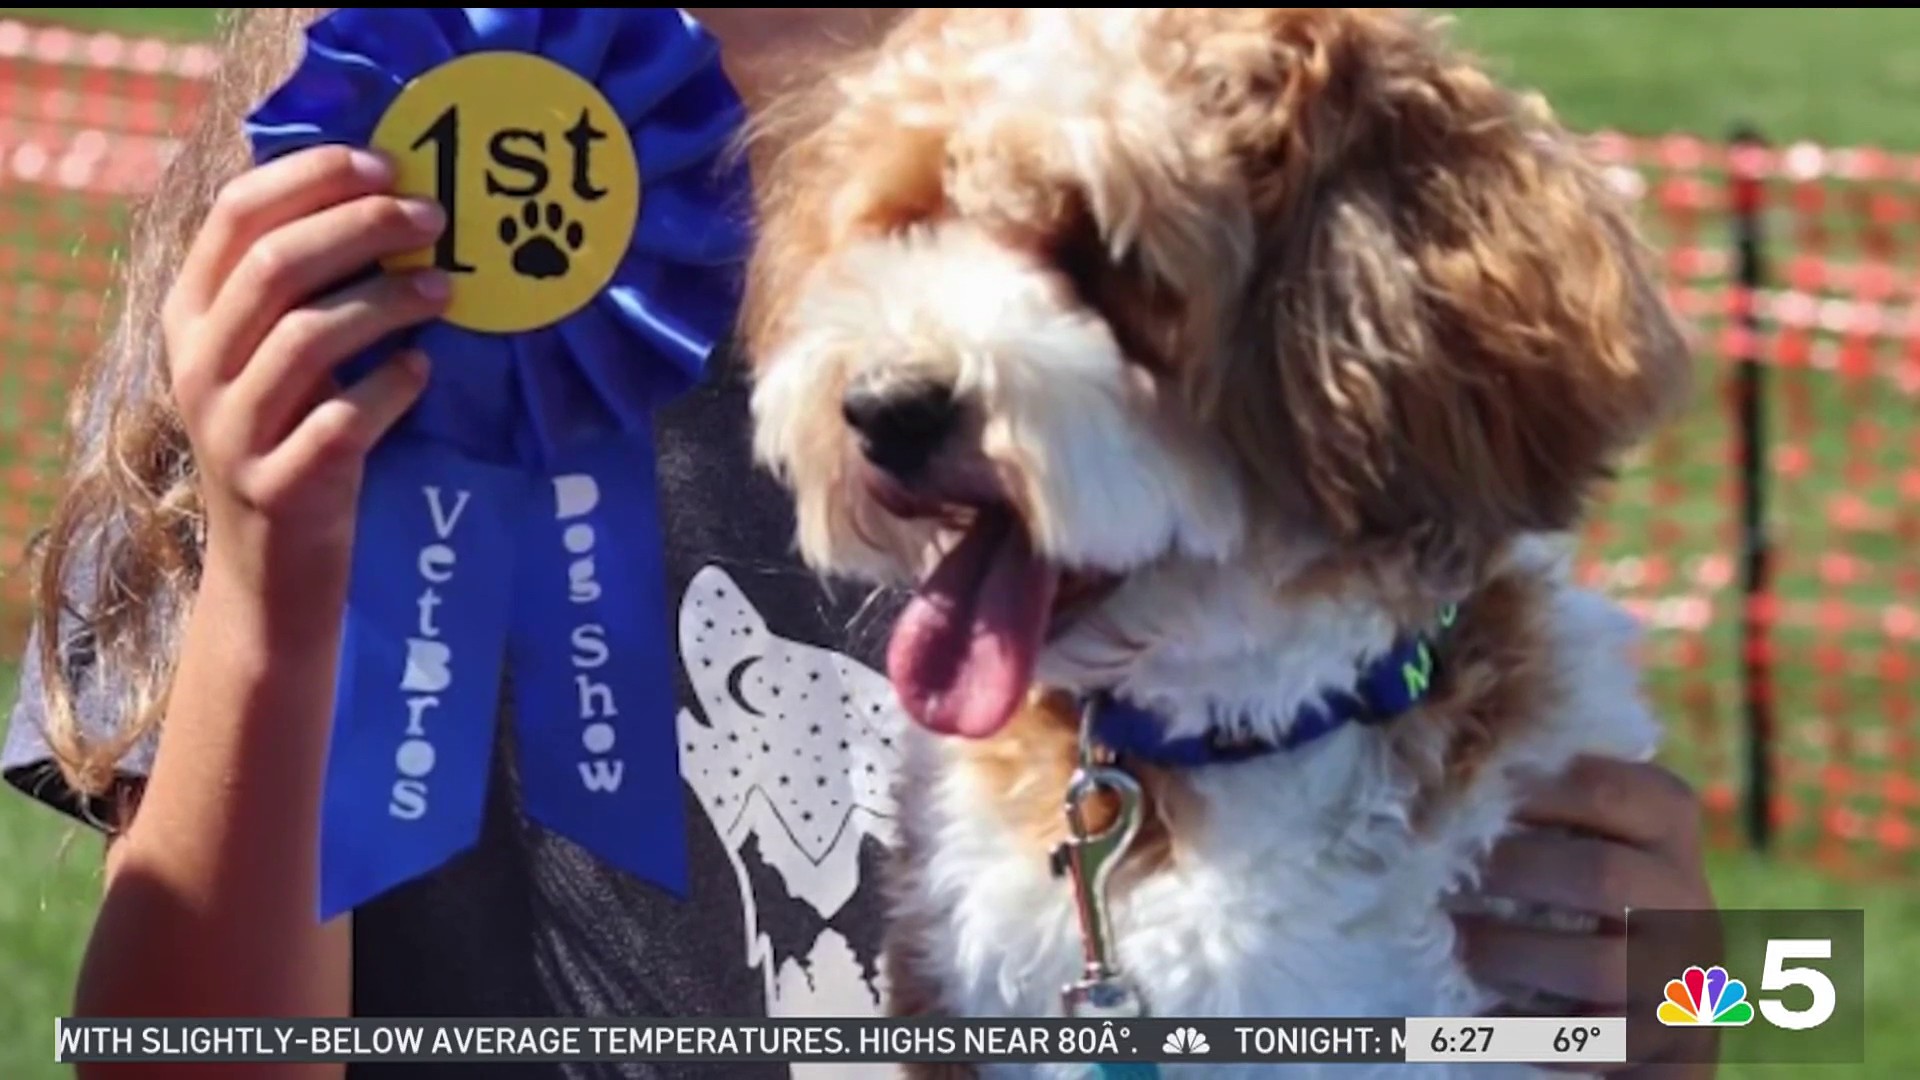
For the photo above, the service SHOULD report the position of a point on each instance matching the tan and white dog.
(1198, 359)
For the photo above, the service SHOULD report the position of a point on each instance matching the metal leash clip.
(1089, 858)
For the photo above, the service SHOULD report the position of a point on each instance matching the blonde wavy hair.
(118, 564)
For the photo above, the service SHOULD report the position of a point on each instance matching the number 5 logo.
(1778, 976)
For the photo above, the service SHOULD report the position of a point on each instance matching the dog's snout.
(901, 427)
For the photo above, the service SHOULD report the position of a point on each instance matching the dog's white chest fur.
(1303, 889)
(1292, 900)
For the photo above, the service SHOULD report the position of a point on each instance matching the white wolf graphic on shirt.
(797, 758)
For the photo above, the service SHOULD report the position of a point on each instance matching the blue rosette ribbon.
(510, 520)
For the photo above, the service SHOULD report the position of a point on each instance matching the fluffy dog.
(1197, 363)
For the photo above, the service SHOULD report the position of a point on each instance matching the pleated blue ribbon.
(511, 518)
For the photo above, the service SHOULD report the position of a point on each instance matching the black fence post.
(1747, 203)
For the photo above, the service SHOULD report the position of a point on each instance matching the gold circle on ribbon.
(538, 178)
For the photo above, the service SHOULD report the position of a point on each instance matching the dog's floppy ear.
(1454, 329)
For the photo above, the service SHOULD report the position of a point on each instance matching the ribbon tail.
(592, 663)
(419, 675)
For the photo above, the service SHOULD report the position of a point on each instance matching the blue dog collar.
(1389, 687)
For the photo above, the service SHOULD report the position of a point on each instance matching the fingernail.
(432, 284)
(423, 213)
(415, 362)
(371, 166)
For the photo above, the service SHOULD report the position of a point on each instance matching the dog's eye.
(1121, 292)
(1082, 257)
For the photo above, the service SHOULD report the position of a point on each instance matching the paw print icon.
(1185, 1040)
(541, 242)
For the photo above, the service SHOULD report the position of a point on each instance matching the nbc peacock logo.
(1710, 998)
(1185, 1040)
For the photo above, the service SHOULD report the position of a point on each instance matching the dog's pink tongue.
(963, 650)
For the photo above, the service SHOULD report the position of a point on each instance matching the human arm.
(210, 899)
(132, 947)
(210, 903)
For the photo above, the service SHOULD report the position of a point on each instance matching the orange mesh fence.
(86, 124)
(1833, 334)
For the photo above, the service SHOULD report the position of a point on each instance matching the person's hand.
(1605, 836)
(256, 323)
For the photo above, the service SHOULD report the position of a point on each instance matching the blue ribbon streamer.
(511, 516)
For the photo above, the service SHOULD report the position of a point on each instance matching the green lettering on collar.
(1418, 672)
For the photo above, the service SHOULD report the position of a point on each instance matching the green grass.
(1741, 880)
(161, 22)
(1836, 76)
(45, 907)
(47, 890)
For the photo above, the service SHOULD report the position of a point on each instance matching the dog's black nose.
(901, 427)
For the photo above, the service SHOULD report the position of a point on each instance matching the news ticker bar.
(1161, 1040)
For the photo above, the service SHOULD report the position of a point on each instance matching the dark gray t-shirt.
(788, 738)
